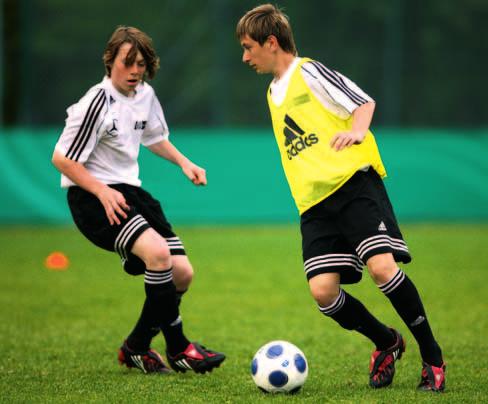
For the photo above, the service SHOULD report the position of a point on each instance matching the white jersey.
(104, 131)
(335, 92)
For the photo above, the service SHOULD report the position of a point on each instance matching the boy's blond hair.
(263, 21)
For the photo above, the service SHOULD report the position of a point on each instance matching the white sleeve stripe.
(337, 81)
(360, 99)
(333, 78)
(81, 138)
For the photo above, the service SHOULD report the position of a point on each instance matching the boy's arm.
(168, 151)
(343, 98)
(361, 119)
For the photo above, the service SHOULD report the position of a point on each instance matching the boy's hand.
(114, 204)
(196, 174)
(346, 139)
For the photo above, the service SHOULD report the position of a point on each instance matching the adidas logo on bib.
(382, 227)
(296, 140)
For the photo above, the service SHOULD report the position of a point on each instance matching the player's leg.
(193, 356)
(404, 297)
(160, 290)
(182, 274)
(330, 261)
(152, 211)
(369, 223)
(89, 215)
(182, 270)
(348, 312)
(356, 217)
(160, 310)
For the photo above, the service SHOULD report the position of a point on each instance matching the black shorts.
(145, 212)
(355, 223)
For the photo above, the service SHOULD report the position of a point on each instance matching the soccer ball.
(279, 367)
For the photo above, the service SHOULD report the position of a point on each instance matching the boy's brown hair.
(263, 21)
(140, 41)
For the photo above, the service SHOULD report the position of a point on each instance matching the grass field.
(60, 331)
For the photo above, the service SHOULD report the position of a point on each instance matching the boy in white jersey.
(97, 155)
(321, 123)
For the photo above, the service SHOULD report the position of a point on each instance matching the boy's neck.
(283, 62)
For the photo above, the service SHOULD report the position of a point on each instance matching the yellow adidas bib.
(303, 129)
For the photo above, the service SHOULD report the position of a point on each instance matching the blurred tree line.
(424, 61)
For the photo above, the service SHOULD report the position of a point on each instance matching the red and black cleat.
(382, 364)
(433, 378)
(148, 361)
(197, 358)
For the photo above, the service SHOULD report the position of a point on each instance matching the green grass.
(60, 331)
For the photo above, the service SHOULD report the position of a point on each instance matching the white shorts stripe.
(128, 231)
(380, 241)
(174, 243)
(333, 260)
(125, 234)
(333, 256)
(335, 264)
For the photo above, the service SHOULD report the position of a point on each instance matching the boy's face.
(260, 58)
(126, 78)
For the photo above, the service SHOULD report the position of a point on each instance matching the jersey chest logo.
(113, 130)
(296, 140)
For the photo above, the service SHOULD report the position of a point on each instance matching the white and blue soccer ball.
(279, 367)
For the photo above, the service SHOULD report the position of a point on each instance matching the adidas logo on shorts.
(382, 227)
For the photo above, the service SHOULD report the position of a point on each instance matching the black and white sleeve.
(84, 120)
(333, 88)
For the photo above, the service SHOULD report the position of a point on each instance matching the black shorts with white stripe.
(355, 223)
(145, 212)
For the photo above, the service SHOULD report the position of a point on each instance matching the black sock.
(406, 300)
(175, 340)
(160, 311)
(179, 295)
(351, 314)
(145, 329)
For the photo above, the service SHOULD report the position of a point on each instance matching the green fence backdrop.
(432, 175)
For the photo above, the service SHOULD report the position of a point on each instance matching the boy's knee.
(382, 267)
(325, 298)
(325, 288)
(153, 250)
(158, 259)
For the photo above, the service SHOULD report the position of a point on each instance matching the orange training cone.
(56, 261)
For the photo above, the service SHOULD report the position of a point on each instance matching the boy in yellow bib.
(321, 123)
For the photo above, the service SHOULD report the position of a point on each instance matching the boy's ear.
(273, 42)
